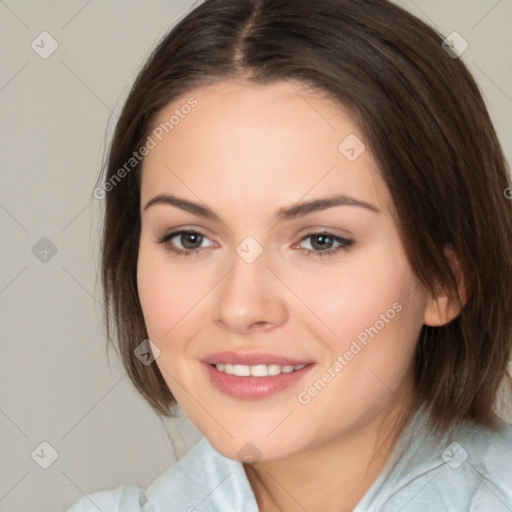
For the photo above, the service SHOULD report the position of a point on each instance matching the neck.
(332, 477)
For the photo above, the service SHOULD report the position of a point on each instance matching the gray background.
(56, 116)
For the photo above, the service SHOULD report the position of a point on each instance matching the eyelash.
(345, 244)
(164, 240)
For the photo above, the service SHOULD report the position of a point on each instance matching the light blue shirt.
(469, 469)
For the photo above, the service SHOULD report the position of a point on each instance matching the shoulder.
(202, 478)
(486, 460)
(469, 468)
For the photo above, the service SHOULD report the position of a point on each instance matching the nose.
(249, 298)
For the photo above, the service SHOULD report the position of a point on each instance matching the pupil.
(321, 242)
(189, 240)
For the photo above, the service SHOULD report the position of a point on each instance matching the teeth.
(257, 370)
(273, 369)
(241, 370)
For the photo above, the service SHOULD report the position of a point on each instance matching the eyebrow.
(287, 213)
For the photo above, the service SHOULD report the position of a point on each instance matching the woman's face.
(288, 318)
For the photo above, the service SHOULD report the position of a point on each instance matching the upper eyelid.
(175, 232)
(186, 229)
(337, 238)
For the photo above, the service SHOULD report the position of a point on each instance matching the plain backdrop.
(56, 114)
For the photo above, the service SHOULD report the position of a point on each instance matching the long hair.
(425, 123)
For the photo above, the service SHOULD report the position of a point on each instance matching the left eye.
(324, 243)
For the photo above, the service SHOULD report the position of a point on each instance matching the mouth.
(257, 370)
(254, 376)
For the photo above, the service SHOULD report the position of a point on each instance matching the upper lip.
(252, 358)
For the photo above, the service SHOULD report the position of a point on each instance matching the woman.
(308, 247)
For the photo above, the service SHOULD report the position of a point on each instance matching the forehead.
(258, 143)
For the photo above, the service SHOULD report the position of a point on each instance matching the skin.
(244, 152)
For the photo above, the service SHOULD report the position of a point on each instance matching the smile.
(257, 379)
(257, 370)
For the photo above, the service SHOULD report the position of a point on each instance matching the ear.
(439, 309)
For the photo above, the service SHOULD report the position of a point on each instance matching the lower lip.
(254, 388)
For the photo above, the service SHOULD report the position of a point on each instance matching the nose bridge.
(248, 264)
(248, 275)
(247, 297)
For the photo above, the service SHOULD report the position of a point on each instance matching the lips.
(250, 359)
(254, 376)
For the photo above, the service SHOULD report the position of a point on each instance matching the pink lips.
(251, 359)
(253, 388)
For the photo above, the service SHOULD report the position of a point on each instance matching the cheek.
(351, 298)
(171, 303)
(374, 312)
(167, 294)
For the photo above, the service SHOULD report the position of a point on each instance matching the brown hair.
(426, 125)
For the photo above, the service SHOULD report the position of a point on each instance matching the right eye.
(184, 242)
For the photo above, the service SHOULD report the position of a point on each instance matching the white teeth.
(260, 370)
(257, 370)
(273, 369)
(241, 370)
